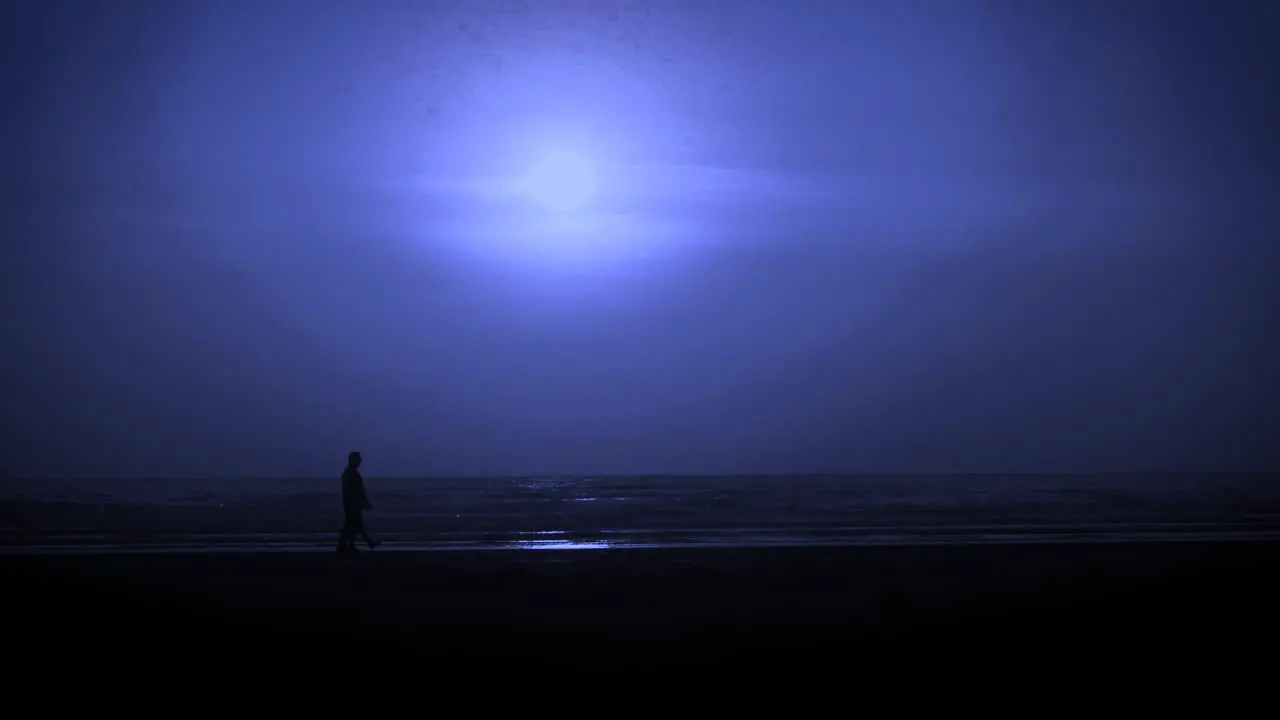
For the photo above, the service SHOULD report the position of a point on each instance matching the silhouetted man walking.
(354, 503)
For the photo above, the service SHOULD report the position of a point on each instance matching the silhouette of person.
(354, 503)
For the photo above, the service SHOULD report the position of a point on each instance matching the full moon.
(561, 182)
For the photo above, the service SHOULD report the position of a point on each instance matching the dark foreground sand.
(653, 623)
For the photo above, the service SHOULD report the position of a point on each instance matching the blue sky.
(244, 238)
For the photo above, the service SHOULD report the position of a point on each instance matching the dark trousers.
(352, 525)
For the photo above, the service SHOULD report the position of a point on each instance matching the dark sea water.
(568, 513)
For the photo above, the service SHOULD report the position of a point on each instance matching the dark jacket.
(353, 497)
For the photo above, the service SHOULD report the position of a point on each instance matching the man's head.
(353, 460)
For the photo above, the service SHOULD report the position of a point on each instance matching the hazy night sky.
(245, 237)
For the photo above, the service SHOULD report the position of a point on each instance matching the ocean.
(539, 513)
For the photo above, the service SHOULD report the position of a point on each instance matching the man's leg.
(355, 523)
(347, 538)
(357, 528)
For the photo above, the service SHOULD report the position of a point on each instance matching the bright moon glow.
(561, 182)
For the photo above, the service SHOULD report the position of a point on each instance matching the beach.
(653, 587)
(713, 622)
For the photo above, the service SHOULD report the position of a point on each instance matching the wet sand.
(720, 622)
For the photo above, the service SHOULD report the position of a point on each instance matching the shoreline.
(668, 539)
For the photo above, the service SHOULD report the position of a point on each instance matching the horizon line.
(652, 476)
